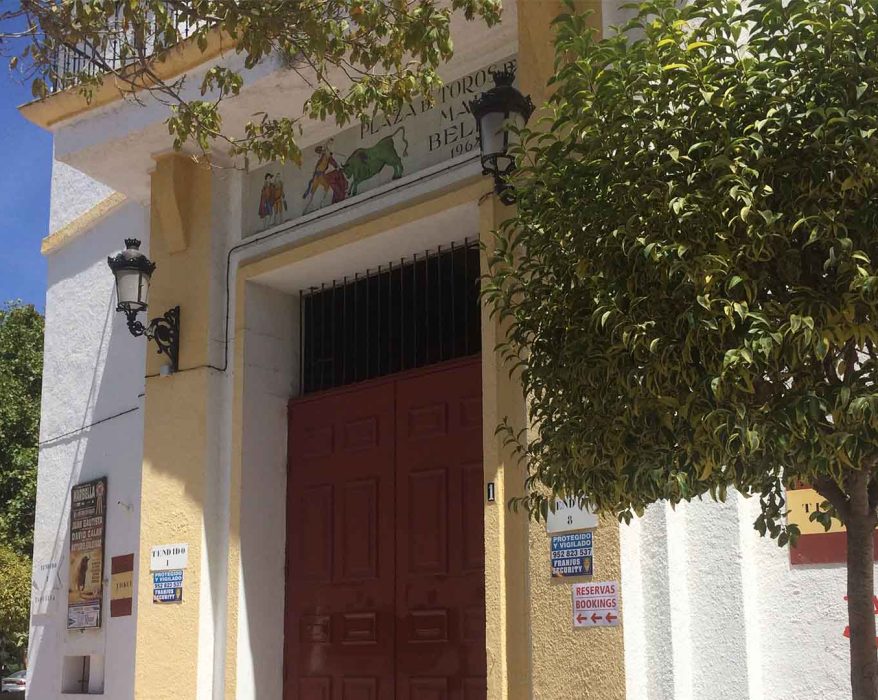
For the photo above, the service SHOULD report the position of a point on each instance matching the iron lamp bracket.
(164, 330)
(504, 191)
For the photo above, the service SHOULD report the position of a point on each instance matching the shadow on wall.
(92, 427)
(270, 363)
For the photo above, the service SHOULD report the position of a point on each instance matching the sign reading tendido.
(368, 156)
(88, 513)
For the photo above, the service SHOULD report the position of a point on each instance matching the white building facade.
(203, 457)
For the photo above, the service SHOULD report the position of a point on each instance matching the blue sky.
(25, 173)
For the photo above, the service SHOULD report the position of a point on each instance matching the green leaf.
(719, 174)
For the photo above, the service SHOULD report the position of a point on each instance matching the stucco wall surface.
(568, 662)
(712, 610)
(270, 339)
(73, 194)
(92, 426)
(181, 440)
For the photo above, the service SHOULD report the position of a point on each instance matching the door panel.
(385, 580)
(440, 574)
(340, 525)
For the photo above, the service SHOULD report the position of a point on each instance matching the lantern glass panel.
(132, 289)
(514, 122)
(505, 164)
(493, 133)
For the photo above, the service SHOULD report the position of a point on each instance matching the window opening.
(403, 315)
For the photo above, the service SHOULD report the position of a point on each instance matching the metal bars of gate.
(71, 63)
(399, 316)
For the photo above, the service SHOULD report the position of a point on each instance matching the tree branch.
(873, 494)
(837, 498)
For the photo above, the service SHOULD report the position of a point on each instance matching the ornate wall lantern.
(495, 111)
(133, 271)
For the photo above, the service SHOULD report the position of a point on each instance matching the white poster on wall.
(167, 557)
(569, 516)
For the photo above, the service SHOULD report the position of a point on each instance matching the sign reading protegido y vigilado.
(367, 156)
(88, 521)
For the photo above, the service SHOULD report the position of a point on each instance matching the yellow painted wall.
(506, 543)
(176, 445)
(532, 649)
(573, 663)
(565, 663)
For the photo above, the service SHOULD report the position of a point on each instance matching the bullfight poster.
(88, 525)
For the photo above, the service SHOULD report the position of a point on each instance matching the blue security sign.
(572, 554)
(167, 586)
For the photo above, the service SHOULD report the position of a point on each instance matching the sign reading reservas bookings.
(596, 604)
(816, 545)
(88, 520)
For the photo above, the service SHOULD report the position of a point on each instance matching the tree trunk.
(860, 523)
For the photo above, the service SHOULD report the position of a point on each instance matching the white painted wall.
(270, 376)
(712, 610)
(73, 194)
(213, 597)
(116, 143)
(93, 372)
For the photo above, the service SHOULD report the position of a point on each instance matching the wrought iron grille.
(70, 63)
(417, 312)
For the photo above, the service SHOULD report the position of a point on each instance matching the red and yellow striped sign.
(122, 585)
(816, 545)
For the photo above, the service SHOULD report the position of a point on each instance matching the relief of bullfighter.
(327, 177)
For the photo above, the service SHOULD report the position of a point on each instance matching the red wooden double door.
(385, 555)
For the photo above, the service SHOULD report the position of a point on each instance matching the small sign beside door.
(121, 585)
(167, 557)
(572, 554)
(569, 516)
(167, 586)
(596, 604)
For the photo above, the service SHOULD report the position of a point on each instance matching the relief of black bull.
(366, 163)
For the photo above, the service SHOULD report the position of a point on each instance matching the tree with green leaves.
(21, 376)
(690, 280)
(359, 57)
(15, 590)
(21, 372)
